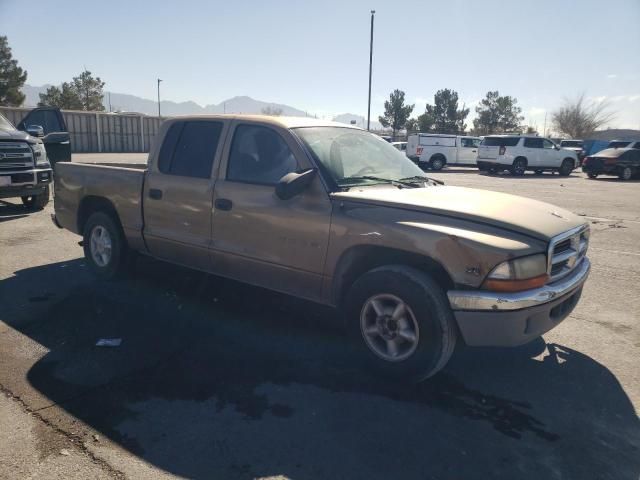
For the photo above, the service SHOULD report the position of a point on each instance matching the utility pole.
(159, 98)
(544, 134)
(373, 12)
(109, 93)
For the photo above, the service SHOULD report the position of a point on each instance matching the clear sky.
(314, 55)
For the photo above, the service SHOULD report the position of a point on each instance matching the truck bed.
(120, 184)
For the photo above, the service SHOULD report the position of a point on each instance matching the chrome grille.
(15, 155)
(566, 251)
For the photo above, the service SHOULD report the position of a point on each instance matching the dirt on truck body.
(336, 215)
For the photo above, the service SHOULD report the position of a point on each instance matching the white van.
(435, 151)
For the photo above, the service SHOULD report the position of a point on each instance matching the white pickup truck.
(435, 151)
(519, 153)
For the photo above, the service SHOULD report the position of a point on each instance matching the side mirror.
(293, 184)
(35, 131)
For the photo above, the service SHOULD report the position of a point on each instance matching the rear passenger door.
(178, 192)
(533, 151)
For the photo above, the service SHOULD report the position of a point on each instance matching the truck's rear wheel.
(402, 321)
(37, 202)
(437, 162)
(105, 247)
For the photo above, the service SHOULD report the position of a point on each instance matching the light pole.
(373, 12)
(159, 97)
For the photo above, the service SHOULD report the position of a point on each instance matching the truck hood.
(7, 134)
(510, 212)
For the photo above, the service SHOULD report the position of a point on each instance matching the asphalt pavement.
(214, 379)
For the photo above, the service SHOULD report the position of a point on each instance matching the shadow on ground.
(214, 379)
(12, 211)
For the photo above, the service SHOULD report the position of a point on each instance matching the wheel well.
(358, 260)
(438, 155)
(521, 158)
(92, 204)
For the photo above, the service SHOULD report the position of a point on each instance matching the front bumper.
(25, 183)
(509, 319)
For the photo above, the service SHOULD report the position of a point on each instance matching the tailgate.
(485, 151)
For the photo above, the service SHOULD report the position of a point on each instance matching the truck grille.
(15, 156)
(566, 251)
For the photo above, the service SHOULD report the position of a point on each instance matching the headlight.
(40, 154)
(520, 274)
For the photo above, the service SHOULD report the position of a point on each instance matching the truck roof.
(286, 122)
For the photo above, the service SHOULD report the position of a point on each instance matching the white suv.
(521, 153)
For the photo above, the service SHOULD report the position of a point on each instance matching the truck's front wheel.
(402, 320)
(37, 202)
(104, 245)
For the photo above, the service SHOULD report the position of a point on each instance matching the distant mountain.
(132, 103)
(616, 134)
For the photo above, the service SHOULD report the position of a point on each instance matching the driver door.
(56, 137)
(257, 237)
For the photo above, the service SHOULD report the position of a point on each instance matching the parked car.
(519, 153)
(328, 212)
(434, 151)
(25, 171)
(402, 146)
(575, 145)
(621, 162)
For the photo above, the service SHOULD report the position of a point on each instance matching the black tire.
(492, 170)
(625, 173)
(437, 162)
(519, 166)
(538, 172)
(37, 202)
(427, 304)
(592, 175)
(567, 167)
(119, 251)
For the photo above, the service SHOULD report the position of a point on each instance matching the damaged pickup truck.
(334, 214)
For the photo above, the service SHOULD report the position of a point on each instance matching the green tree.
(412, 125)
(84, 92)
(445, 114)
(396, 113)
(12, 77)
(425, 122)
(497, 114)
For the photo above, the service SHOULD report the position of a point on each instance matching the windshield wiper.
(399, 183)
(420, 178)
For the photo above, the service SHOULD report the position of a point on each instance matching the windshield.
(5, 124)
(571, 144)
(356, 157)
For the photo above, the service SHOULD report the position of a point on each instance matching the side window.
(548, 143)
(533, 142)
(51, 122)
(189, 148)
(466, 142)
(259, 155)
(476, 142)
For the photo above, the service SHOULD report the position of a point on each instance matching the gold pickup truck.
(336, 215)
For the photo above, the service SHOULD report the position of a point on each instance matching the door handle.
(155, 193)
(473, 151)
(223, 204)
